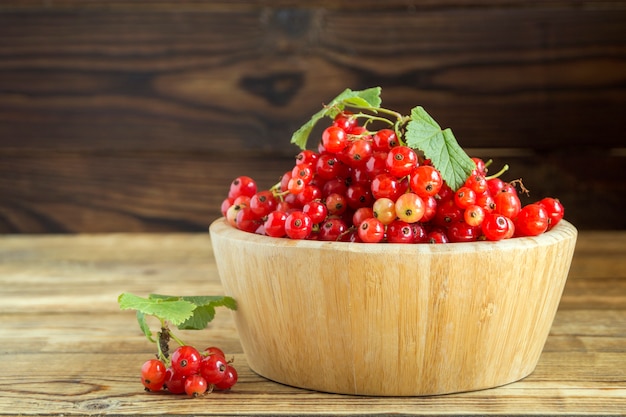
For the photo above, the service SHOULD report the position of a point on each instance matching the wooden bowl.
(393, 319)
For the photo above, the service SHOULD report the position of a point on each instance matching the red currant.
(316, 210)
(195, 385)
(229, 380)
(426, 181)
(242, 186)
(332, 229)
(409, 207)
(555, 210)
(384, 140)
(507, 204)
(399, 231)
(153, 373)
(401, 160)
(186, 360)
(371, 230)
(334, 139)
(532, 220)
(275, 224)
(464, 197)
(213, 368)
(174, 382)
(263, 203)
(298, 225)
(495, 226)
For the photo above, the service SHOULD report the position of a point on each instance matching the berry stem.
(504, 169)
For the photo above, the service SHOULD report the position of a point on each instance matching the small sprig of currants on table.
(378, 176)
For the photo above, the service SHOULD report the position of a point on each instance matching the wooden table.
(68, 350)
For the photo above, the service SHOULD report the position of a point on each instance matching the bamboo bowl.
(393, 319)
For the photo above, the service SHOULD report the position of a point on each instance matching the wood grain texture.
(162, 84)
(72, 352)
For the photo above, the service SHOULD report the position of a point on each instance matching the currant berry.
(174, 382)
(153, 374)
(334, 139)
(275, 224)
(495, 226)
(186, 360)
(477, 182)
(464, 197)
(195, 385)
(426, 181)
(371, 230)
(358, 152)
(447, 213)
(263, 203)
(329, 167)
(246, 220)
(430, 208)
(384, 140)
(361, 214)
(345, 120)
(532, 220)
(358, 195)
(481, 167)
(401, 160)
(298, 225)
(409, 207)
(386, 186)
(336, 204)
(213, 350)
(296, 185)
(213, 368)
(507, 203)
(437, 236)
(554, 209)
(242, 185)
(307, 157)
(384, 210)
(229, 380)
(316, 210)
(309, 193)
(462, 232)
(332, 229)
(474, 215)
(399, 231)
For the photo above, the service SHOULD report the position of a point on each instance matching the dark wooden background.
(136, 115)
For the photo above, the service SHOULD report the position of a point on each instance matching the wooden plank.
(157, 191)
(58, 310)
(123, 79)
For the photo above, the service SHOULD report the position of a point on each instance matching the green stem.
(176, 339)
(504, 169)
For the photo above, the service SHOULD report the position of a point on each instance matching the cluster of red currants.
(365, 186)
(191, 371)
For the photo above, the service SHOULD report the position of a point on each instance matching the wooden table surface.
(68, 350)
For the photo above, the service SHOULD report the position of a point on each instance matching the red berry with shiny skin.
(555, 210)
(532, 220)
(401, 160)
(186, 360)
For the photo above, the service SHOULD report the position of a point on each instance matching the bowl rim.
(562, 231)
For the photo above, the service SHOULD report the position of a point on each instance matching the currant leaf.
(172, 309)
(440, 146)
(204, 311)
(362, 98)
(143, 325)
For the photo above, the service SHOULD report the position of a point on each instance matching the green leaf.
(204, 311)
(360, 98)
(440, 146)
(171, 309)
(143, 325)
